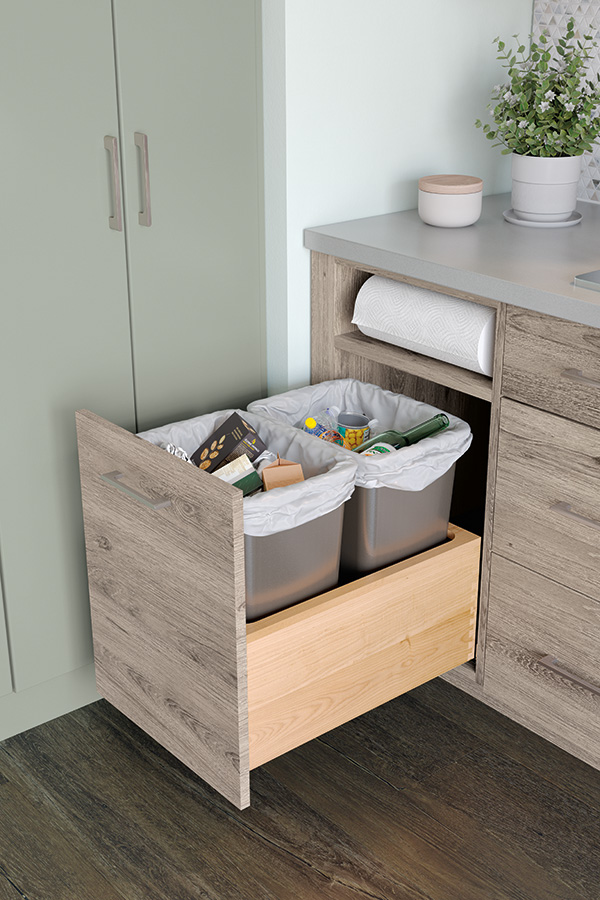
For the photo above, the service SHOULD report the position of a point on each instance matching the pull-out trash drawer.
(173, 651)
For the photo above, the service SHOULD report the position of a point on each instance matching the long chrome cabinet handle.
(549, 662)
(141, 141)
(578, 376)
(116, 221)
(114, 478)
(565, 509)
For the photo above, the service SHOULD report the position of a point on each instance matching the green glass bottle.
(404, 438)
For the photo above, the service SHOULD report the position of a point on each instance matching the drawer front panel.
(531, 618)
(325, 661)
(547, 509)
(167, 599)
(553, 364)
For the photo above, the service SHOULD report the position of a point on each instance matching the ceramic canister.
(450, 201)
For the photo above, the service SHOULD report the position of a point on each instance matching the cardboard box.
(231, 440)
(242, 474)
(281, 473)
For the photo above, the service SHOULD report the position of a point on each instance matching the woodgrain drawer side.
(542, 658)
(547, 508)
(553, 364)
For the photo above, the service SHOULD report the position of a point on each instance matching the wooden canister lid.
(450, 184)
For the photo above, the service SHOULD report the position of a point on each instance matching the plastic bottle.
(319, 423)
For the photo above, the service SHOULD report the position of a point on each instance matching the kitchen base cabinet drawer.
(543, 658)
(547, 506)
(323, 662)
(173, 651)
(552, 364)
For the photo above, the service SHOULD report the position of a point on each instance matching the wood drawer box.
(552, 364)
(543, 658)
(547, 508)
(165, 550)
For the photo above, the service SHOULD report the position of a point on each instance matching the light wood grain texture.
(168, 601)
(472, 383)
(418, 282)
(539, 349)
(490, 493)
(325, 661)
(339, 350)
(333, 293)
(450, 184)
(529, 618)
(335, 285)
(544, 460)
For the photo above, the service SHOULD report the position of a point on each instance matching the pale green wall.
(370, 95)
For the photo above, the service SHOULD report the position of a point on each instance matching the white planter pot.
(544, 188)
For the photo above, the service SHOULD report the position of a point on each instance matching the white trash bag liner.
(410, 469)
(329, 471)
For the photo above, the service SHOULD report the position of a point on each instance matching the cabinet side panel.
(168, 602)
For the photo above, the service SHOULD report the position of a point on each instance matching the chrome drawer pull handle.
(565, 509)
(116, 221)
(549, 662)
(578, 376)
(114, 478)
(141, 141)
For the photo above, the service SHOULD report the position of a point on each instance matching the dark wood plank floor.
(430, 797)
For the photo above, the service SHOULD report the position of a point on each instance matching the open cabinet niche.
(339, 350)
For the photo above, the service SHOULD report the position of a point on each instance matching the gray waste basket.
(383, 525)
(292, 535)
(401, 504)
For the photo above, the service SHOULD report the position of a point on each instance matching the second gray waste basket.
(292, 535)
(401, 504)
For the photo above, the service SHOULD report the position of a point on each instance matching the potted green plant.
(546, 115)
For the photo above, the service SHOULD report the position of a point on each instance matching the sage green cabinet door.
(64, 337)
(5, 677)
(188, 79)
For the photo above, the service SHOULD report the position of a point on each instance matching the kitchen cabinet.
(188, 82)
(542, 648)
(163, 314)
(538, 636)
(65, 336)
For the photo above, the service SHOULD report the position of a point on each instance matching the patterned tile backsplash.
(552, 16)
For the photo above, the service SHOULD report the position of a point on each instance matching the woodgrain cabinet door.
(547, 509)
(64, 334)
(189, 84)
(542, 658)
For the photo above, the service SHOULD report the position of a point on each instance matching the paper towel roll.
(448, 328)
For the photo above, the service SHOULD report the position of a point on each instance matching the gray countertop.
(528, 267)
